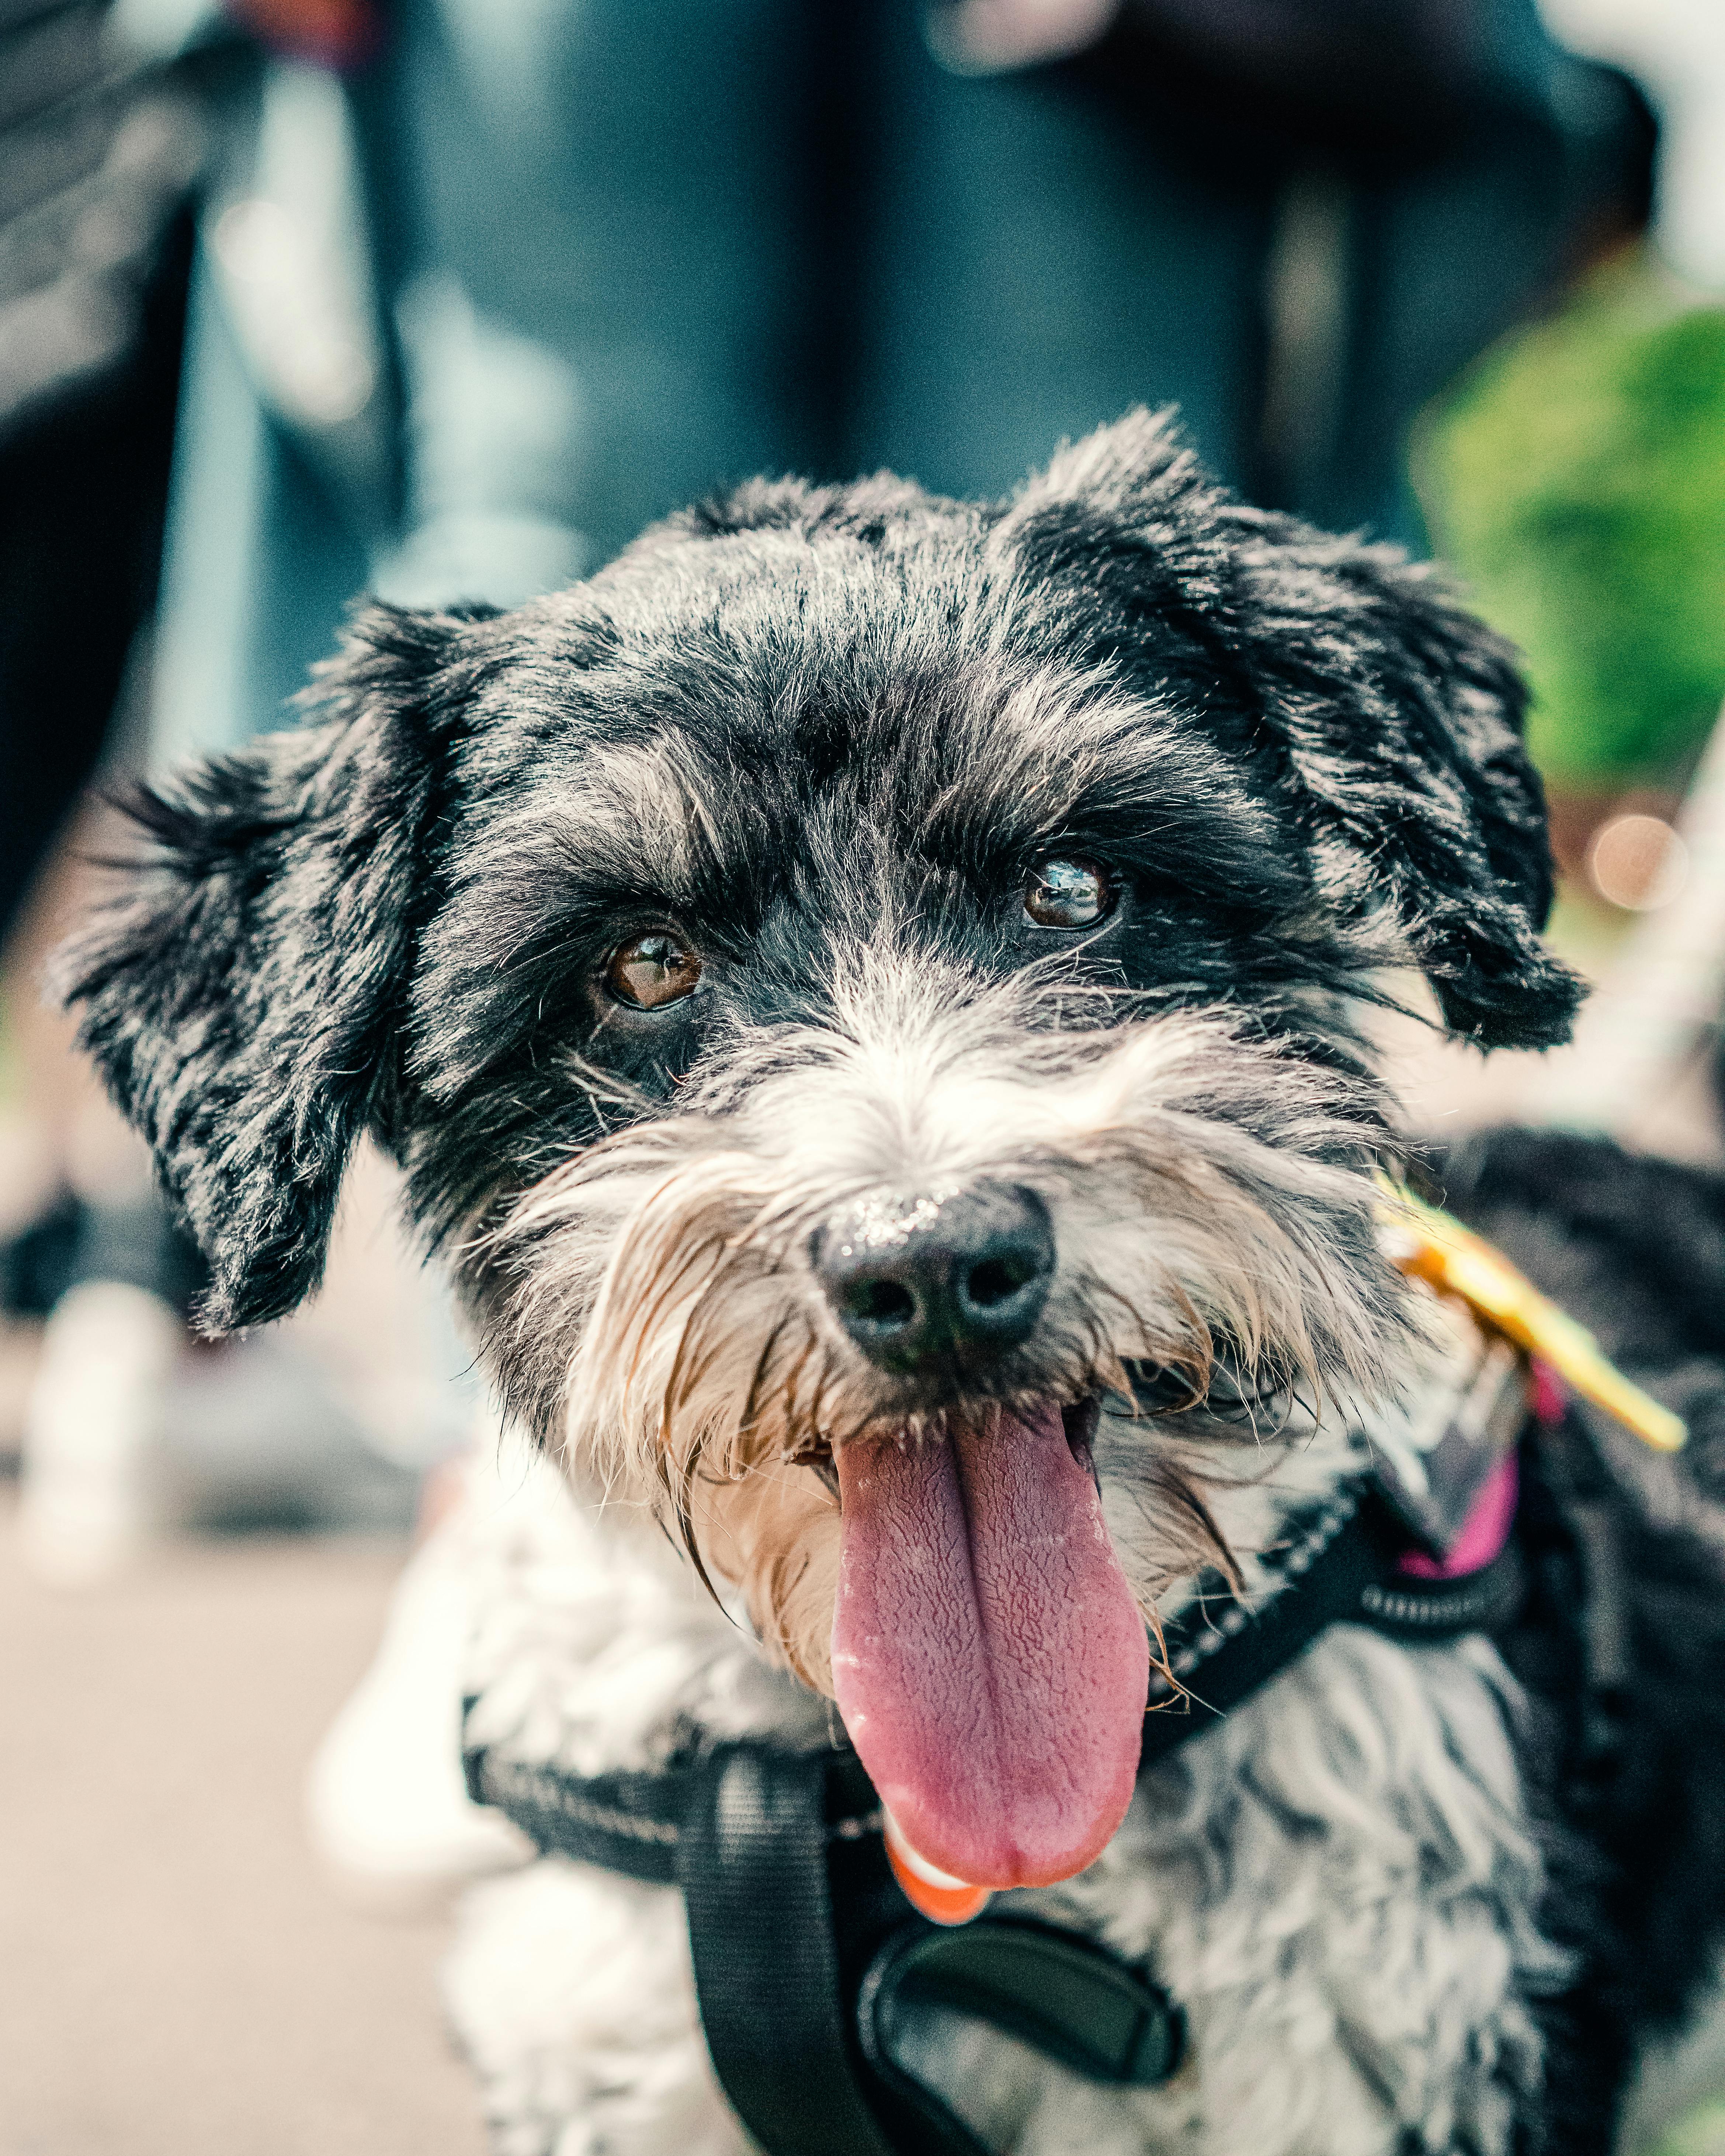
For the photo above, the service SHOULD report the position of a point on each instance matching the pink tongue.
(989, 1661)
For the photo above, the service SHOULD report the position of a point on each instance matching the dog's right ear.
(242, 989)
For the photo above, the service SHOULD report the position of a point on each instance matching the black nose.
(917, 1280)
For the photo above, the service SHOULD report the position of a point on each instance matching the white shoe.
(386, 1806)
(92, 1455)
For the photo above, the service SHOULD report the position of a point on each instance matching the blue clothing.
(551, 268)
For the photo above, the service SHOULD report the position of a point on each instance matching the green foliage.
(1701, 2133)
(1576, 480)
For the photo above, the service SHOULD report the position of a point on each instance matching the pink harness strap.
(1491, 1521)
(1483, 1534)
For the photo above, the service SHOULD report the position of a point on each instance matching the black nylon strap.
(1225, 1650)
(626, 1823)
(1342, 1572)
(752, 1862)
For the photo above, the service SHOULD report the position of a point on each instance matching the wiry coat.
(1340, 1884)
(827, 735)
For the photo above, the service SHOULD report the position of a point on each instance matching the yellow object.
(1458, 1262)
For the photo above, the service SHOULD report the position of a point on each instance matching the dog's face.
(860, 986)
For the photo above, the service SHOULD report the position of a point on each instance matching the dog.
(873, 998)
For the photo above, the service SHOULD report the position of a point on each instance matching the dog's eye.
(1063, 894)
(653, 970)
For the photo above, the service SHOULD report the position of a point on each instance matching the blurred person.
(482, 290)
(99, 151)
(1676, 50)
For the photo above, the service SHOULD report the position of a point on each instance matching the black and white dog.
(869, 995)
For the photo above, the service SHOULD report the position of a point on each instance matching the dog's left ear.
(1392, 714)
(243, 988)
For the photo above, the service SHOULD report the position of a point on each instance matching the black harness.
(812, 1969)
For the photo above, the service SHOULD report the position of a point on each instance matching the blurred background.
(444, 299)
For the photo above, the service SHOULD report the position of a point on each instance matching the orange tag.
(940, 1898)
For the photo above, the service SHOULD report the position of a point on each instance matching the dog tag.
(934, 1893)
(1436, 1247)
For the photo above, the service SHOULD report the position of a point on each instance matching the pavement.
(177, 1978)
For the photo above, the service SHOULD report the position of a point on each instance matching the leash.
(814, 1965)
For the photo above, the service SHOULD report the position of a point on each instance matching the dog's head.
(861, 983)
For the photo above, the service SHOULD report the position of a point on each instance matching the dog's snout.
(960, 1276)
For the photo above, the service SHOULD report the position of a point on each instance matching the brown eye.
(653, 970)
(1063, 894)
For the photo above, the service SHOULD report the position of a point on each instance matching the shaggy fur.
(1340, 1884)
(830, 738)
